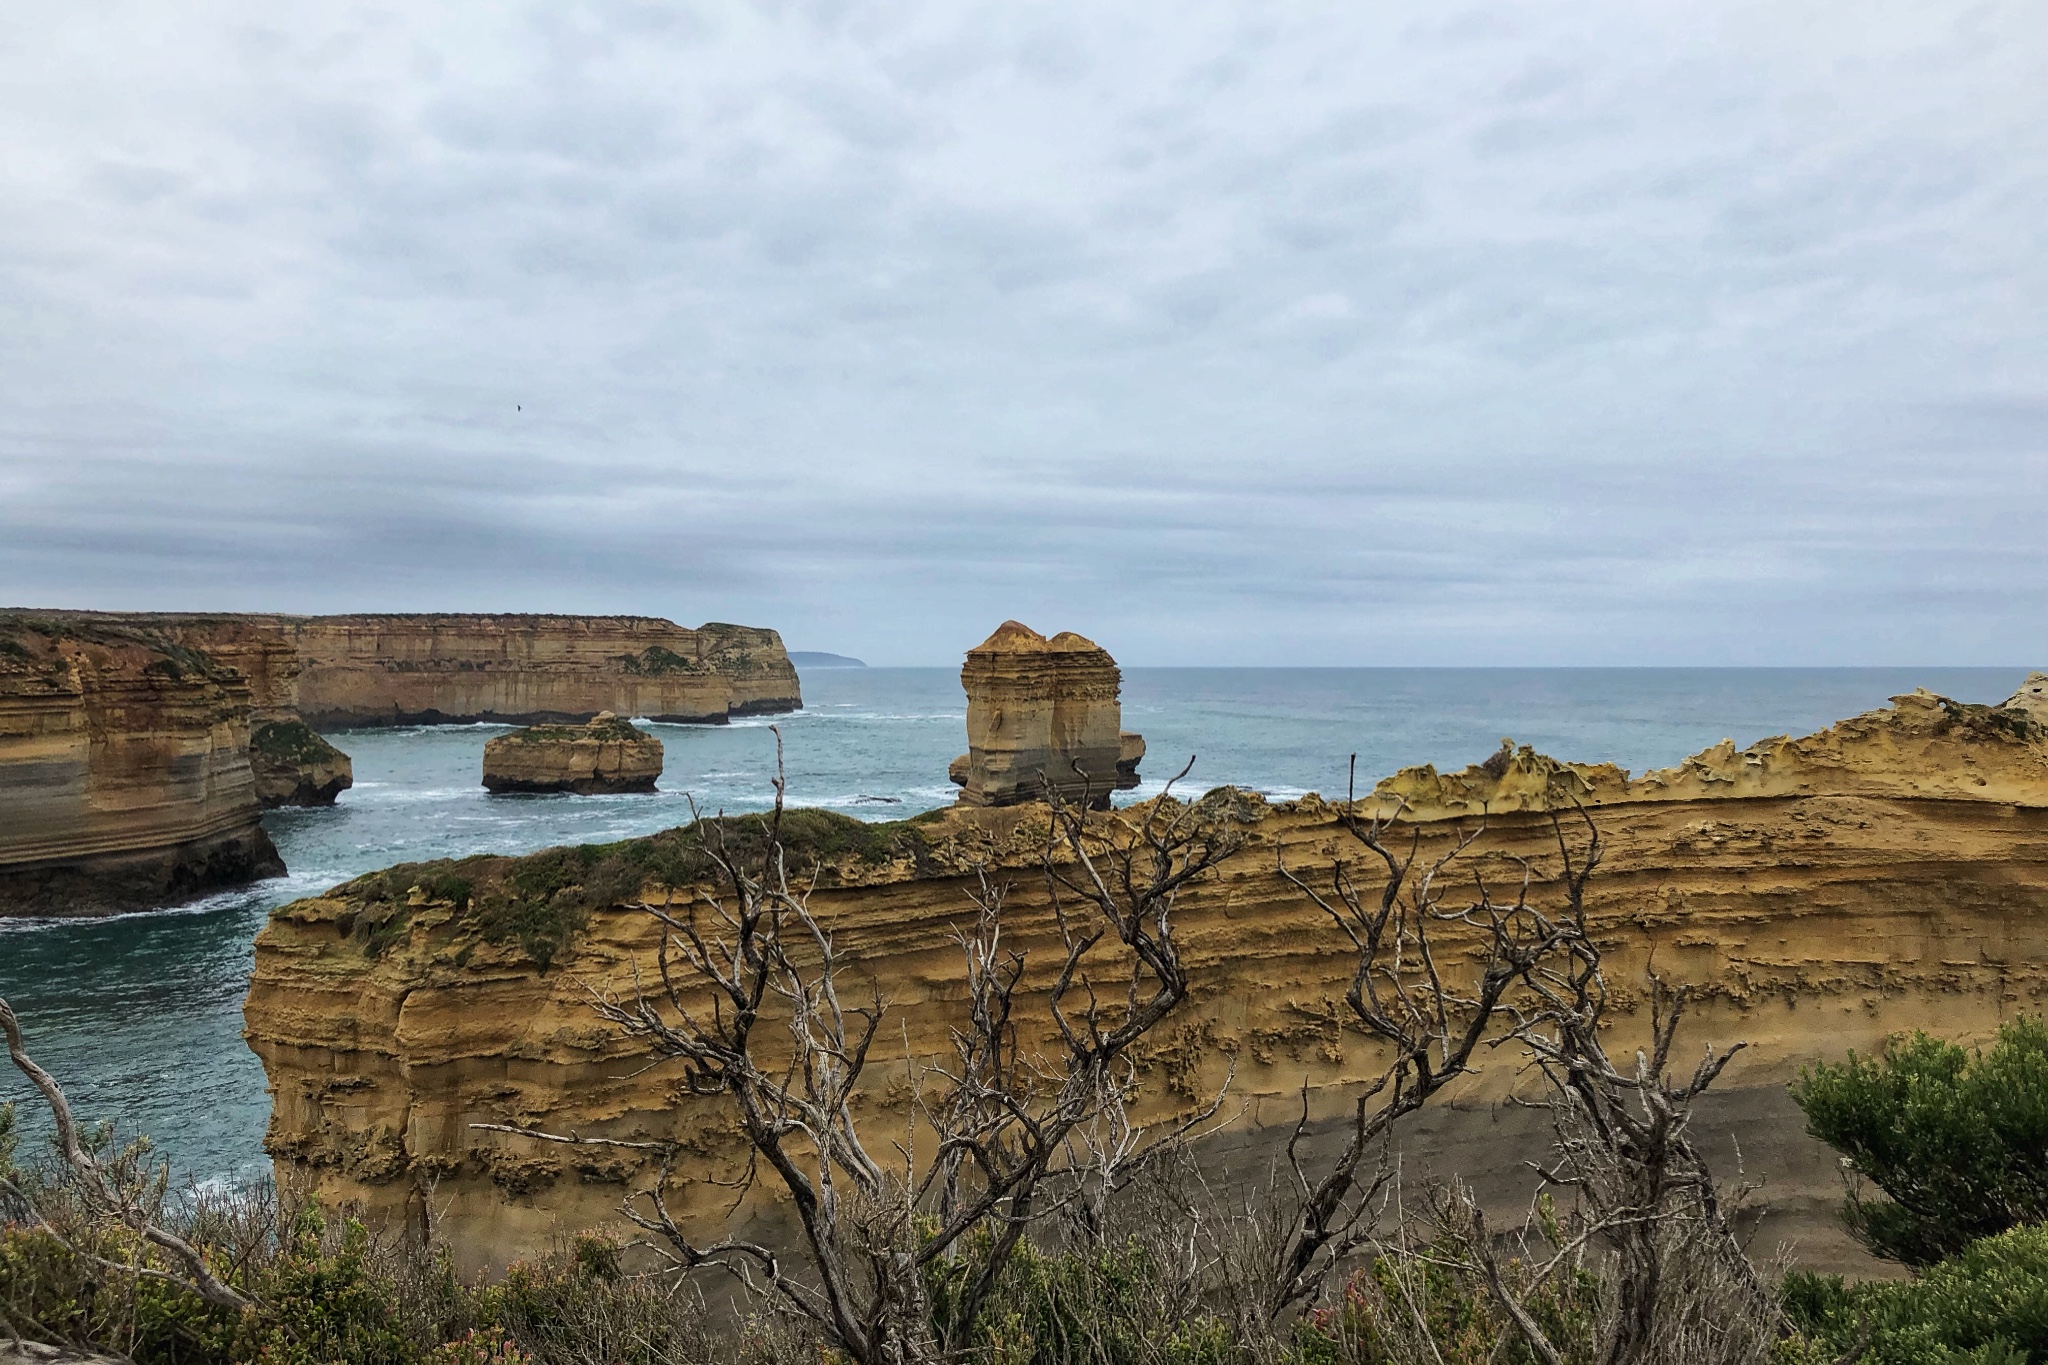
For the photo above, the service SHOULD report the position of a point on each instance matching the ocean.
(140, 1015)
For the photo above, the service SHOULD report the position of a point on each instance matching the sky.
(1524, 334)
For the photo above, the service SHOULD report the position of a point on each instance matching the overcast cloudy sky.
(1528, 333)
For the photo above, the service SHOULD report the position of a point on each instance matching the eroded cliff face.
(1889, 873)
(1041, 711)
(295, 766)
(390, 670)
(124, 771)
(338, 671)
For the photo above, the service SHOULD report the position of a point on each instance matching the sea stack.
(294, 766)
(1043, 712)
(604, 756)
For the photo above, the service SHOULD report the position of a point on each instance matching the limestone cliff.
(389, 670)
(1042, 711)
(1888, 873)
(339, 671)
(124, 771)
(2031, 699)
(294, 766)
(607, 755)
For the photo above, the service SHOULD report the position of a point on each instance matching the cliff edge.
(532, 670)
(1819, 893)
(124, 771)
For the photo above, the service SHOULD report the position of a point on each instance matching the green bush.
(49, 1291)
(1986, 1306)
(1957, 1140)
(1435, 1307)
(1099, 1305)
(291, 741)
(542, 901)
(327, 1303)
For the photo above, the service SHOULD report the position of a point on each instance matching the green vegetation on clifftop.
(543, 900)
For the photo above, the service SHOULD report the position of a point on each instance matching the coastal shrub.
(1433, 1305)
(1956, 1140)
(611, 729)
(56, 1252)
(384, 899)
(327, 1301)
(1987, 722)
(1083, 1305)
(581, 1306)
(542, 901)
(656, 661)
(1985, 1306)
(52, 1290)
(290, 741)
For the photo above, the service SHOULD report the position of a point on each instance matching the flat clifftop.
(519, 668)
(1819, 893)
(608, 755)
(125, 779)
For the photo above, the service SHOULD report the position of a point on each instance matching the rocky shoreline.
(1818, 894)
(125, 779)
(138, 750)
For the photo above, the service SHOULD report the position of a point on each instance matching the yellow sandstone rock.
(1888, 873)
(124, 772)
(1043, 711)
(605, 755)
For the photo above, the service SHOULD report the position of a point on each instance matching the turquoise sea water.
(140, 1016)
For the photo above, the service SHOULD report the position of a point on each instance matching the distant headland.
(139, 749)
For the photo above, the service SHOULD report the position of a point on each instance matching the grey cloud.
(1642, 336)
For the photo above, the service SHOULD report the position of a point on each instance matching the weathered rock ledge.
(605, 756)
(1819, 893)
(124, 771)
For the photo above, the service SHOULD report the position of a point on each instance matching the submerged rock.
(606, 755)
(1043, 711)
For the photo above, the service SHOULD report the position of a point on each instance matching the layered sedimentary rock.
(294, 766)
(606, 755)
(339, 671)
(124, 771)
(1043, 711)
(414, 669)
(2031, 699)
(1820, 893)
